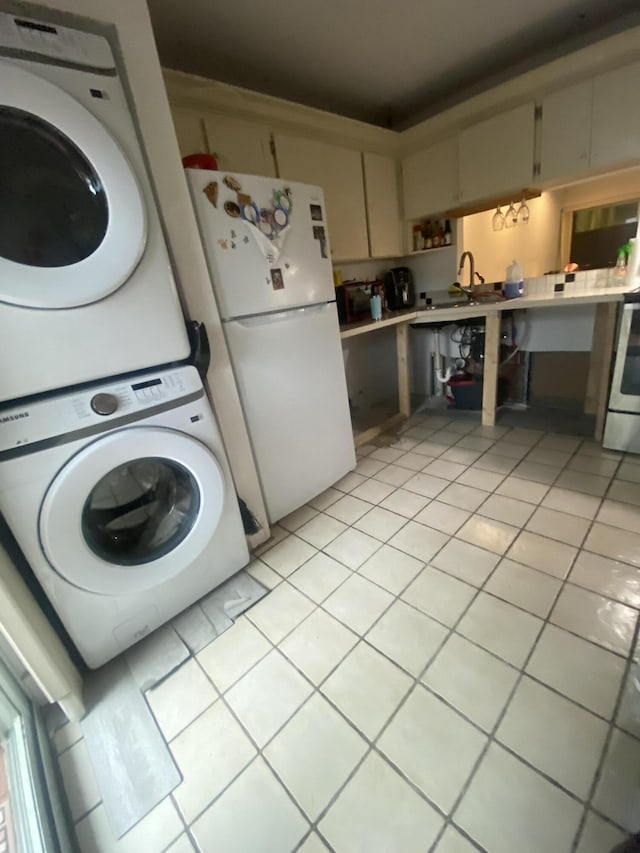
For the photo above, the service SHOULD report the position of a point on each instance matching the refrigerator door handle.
(280, 316)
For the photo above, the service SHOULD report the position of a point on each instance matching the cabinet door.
(615, 138)
(240, 146)
(345, 203)
(383, 205)
(430, 179)
(566, 131)
(302, 160)
(496, 155)
(338, 171)
(188, 125)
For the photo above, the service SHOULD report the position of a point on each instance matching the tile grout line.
(373, 743)
(614, 715)
(611, 721)
(186, 827)
(362, 638)
(316, 689)
(397, 597)
(559, 590)
(603, 755)
(491, 738)
(522, 671)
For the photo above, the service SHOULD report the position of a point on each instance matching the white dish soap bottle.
(514, 283)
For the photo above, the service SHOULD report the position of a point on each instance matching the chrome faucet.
(472, 266)
(468, 291)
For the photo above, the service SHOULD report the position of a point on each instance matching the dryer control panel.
(30, 35)
(97, 408)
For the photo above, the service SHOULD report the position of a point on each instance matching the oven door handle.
(617, 400)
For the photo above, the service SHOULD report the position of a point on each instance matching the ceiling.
(387, 62)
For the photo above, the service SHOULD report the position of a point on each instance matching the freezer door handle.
(281, 316)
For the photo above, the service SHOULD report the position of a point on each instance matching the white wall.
(535, 245)
(366, 270)
(434, 271)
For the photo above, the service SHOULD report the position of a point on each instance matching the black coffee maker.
(398, 289)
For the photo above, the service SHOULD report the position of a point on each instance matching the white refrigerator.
(267, 247)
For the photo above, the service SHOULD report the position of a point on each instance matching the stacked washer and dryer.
(113, 475)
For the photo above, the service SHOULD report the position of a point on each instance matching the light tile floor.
(447, 662)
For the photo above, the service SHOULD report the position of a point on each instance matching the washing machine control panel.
(76, 414)
(104, 404)
(158, 388)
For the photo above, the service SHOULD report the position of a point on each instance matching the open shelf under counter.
(400, 321)
(365, 436)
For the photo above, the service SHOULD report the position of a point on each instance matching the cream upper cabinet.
(239, 145)
(615, 136)
(188, 125)
(565, 138)
(383, 205)
(301, 160)
(430, 179)
(338, 171)
(496, 155)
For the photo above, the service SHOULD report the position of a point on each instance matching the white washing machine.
(121, 499)
(86, 288)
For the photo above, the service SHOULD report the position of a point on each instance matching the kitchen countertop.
(444, 311)
(389, 318)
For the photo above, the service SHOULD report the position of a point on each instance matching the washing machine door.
(73, 223)
(132, 510)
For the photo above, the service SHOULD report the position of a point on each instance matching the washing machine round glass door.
(132, 510)
(73, 223)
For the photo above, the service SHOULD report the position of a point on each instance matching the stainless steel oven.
(622, 431)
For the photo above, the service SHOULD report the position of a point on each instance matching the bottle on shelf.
(621, 263)
(447, 233)
(418, 239)
(428, 235)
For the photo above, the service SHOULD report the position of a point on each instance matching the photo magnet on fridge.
(277, 280)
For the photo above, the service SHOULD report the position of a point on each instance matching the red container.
(200, 161)
(466, 392)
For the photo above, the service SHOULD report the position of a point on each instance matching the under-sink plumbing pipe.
(440, 376)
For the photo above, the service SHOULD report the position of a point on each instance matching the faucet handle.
(480, 278)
